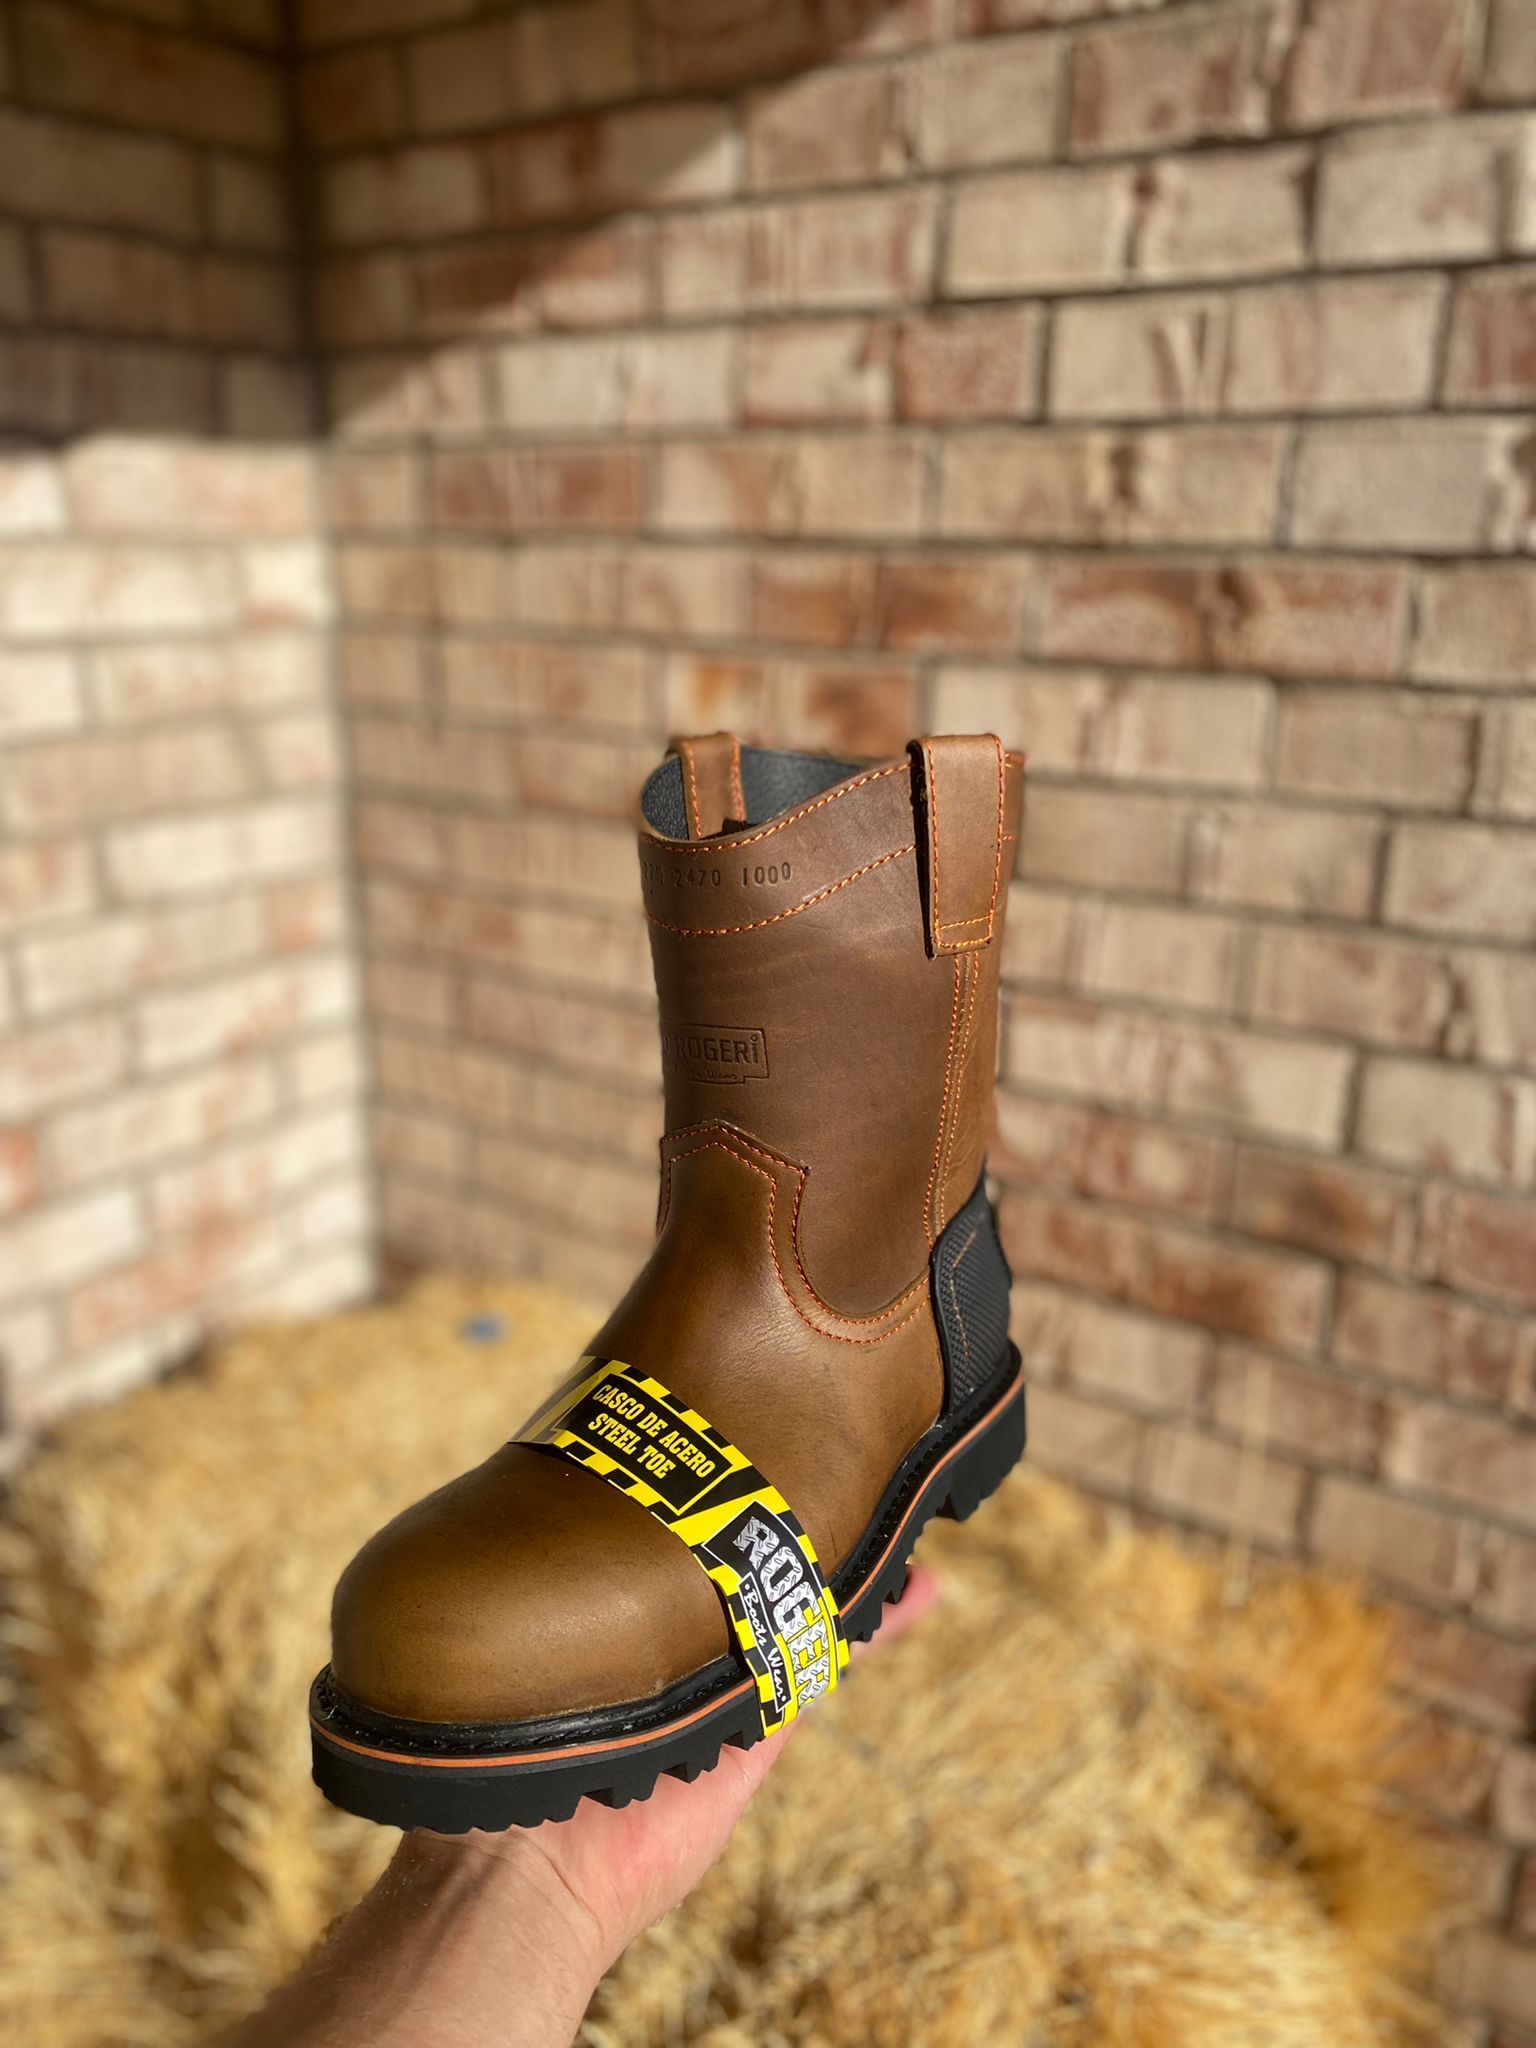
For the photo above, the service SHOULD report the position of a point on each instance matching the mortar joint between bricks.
(1440, 347)
(1479, 36)
(1287, 483)
(1047, 315)
(1482, 755)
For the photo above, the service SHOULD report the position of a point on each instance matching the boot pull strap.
(712, 793)
(962, 791)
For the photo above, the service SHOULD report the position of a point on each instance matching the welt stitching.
(949, 1055)
(731, 1152)
(832, 796)
(723, 931)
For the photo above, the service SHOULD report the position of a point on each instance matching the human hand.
(624, 1867)
(498, 1941)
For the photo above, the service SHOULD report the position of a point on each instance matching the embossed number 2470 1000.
(754, 875)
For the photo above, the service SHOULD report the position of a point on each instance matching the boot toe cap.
(527, 1588)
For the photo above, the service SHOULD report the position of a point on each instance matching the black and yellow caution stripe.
(630, 1430)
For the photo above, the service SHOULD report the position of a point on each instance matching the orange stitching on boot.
(954, 1011)
(833, 796)
(725, 931)
(986, 917)
(962, 1053)
(933, 835)
(465, 1763)
(729, 1136)
(842, 1315)
(1002, 819)
(723, 1143)
(972, 978)
(695, 815)
(738, 795)
(891, 1306)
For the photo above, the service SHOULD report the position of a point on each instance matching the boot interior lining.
(771, 782)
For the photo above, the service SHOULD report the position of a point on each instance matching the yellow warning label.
(630, 1430)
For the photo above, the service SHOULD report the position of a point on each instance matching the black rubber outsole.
(518, 1774)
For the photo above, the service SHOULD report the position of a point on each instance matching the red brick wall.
(1153, 386)
(179, 1127)
(1151, 383)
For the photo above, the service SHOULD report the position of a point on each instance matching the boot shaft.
(826, 1286)
(826, 939)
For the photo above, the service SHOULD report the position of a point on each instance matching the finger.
(919, 1596)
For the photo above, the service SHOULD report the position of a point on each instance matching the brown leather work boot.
(812, 1362)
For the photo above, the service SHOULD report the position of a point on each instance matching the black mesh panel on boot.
(970, 1280)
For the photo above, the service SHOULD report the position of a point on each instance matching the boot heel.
(986, 1463)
